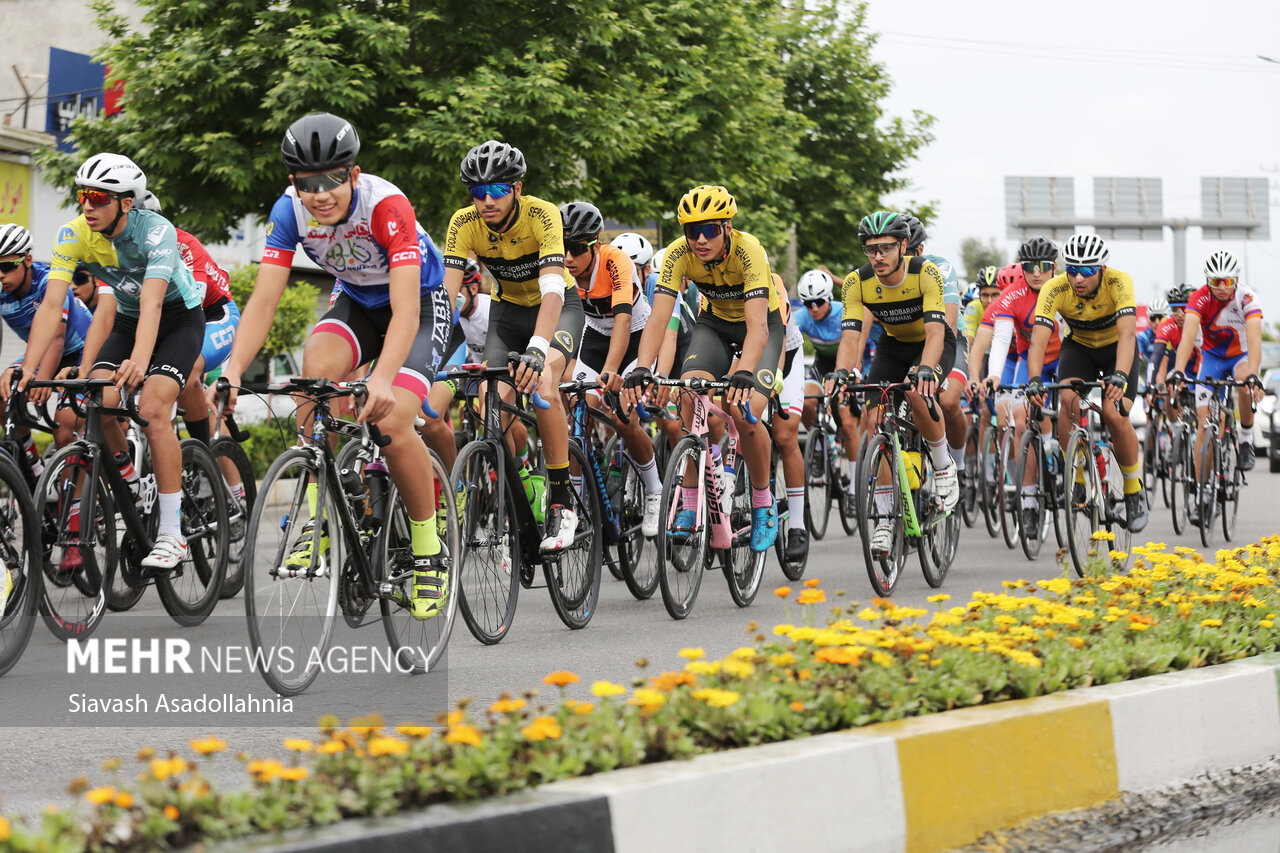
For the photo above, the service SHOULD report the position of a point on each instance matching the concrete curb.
(923, 784)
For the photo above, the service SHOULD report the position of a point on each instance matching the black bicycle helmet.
(916, 234)
(1038, 249)
(1177, 297)
(318, 142)
(582, 220)
(492, 162)
(883, 223)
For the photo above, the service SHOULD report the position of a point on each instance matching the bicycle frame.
(722, 534)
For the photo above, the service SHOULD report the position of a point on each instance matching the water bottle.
(377, 487)
(729, 478)
(353, 488)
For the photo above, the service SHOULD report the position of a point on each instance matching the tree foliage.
(294, 317)
(625, 102)
(975, 255)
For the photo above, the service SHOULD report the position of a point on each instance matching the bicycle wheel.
(1232, 480)
(77, 573)
(1115, 516)
(191, 591)
(291, 610)
(573, 575)
(878, 463)
(793, 570)
(939, 533)
(128, 583)
(488, 576)
(817, 480)
(971, 477)
(1031, 458)
(848, 500)
(230, 456)
(682, 552)
(418, 645)
(1181, 486)
(1083, 502)
(637, 556)
(19, 563)
(743, 567)
(1207, 495)
(992, 477)
(1010, 491)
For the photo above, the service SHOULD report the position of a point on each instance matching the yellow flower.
(811, 596)
(737, 668)
(784, 659)
(387, 746)
(294, 774)
(124, 800)
(163, 768)
(1210, 623)
(1104, 535)
(298, 744)
(331, 747)
(412, 731)
(882, 658)
(99, 796)
(146, 753)
(939, 598)
(265, 770)
(580, 707)
(506, 706)
(605, 689)
(561, 678)
(5, 829)
(1076, 642)
(648, 700)
(782, 591)
(171, 811)
(543, 728)
(702, 667)
(812, 582)
(209, 745)
(462, 734)
(1138, 626)
(716, 698)
(1266, 623)
(1119, 556)
(692, 654)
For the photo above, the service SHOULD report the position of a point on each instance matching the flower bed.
(1171, 611)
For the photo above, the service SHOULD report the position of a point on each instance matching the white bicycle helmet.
(1158, 307)
(658, 257)
(1222, 264)
(1085, 250)
(636, 247)
(150, 202)
(814, 285)
(114, 173)
(14, 240)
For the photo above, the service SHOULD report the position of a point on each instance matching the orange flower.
(298, 744)
(414, 732)
(812, 582)
(387, 746)
(580, 707)
(1076, 642)
(669, 681)
(5, 829)
(811, 596)
(171, 811)
(462, 734)
(99, 796)
(838, 654)
(294, 774)
(331, 747)
(797, 706)
(506, 705)
(782, 591)
(561, 678)
(543, 728)
(124, 800)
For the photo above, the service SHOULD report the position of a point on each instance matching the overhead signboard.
(1129, 199)
(1038, 198)
(1238, 200)
(75, 89)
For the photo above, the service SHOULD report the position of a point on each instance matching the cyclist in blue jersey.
(820, 323)
(22, 287)
(1156, 312)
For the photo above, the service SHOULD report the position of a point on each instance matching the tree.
(975, 255)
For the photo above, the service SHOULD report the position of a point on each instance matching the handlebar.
(484, 371)
(222, 389)
(73, 387)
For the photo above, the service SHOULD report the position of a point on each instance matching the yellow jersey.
(902, 309)
(1092, 320)
(726, 285)
(514, 257)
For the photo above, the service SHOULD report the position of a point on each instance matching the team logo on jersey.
(493, 238)
(130, 287)
(879, 290)
(67, 235)
(564, 339)
(1079, 306)
(765, 377)
(154, 235)
(271, 226)
(313, 223)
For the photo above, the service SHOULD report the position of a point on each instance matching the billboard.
(75, 89)
(15, 186)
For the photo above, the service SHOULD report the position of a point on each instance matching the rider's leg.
(437, 432)
(195, 411)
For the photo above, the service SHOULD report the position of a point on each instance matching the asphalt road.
(37, 761)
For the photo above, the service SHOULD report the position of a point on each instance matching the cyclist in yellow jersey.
(535, 308)
(1098, 305)
(903, 294)
(731, 269)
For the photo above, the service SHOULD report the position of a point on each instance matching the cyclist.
(1225, 319)
(904, 295)
(675, 343)
(1168, 337)
(536, 317)
(975, 305)
(155, 321)
(1156, 312)
(1097, 303)
(362, 230)
(786, 431)
(742, 316)
(466, 344)
(22, 287)
(820, 323)
(606, 281)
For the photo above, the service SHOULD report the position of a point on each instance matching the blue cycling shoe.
(764, 527)
(682, 528)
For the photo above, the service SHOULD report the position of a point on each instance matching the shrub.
(294, 317)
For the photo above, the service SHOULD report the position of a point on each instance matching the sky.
(1084, 89)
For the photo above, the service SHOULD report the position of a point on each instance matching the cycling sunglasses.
(499, 190)
(323, 182)
(1222, 282)
(7, 267)
(710, 230)
(1038, 266)
(871, 250)
(96, 198)
(1083, 271)
(814, 303)
(577, 247)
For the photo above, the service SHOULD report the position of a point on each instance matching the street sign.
(1129, 198)
(1038, 198)
(1240, 199)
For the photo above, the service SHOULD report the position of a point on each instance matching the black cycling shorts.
(179, 339)
(595, 349)
(822, 365)
(894, 359)
(511, 326)
(962, 356)
(365, 330)
(716, 343)
(1077, 361)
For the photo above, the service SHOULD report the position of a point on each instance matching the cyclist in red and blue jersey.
(361, 229)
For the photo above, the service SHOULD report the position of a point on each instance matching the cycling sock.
(1132, 478)
(575, 480)
(237, 491)
(170, 513)
(73, 518)
(884, 502)
(795, 506)
(1246, 434)
(558, 485)
(939, 453)
(649, 474)
(761, 497)
(853, 475)
(127, 470)
(522, 456)
(198, 428)
(423, 538)
(312, 498)
(957, 456)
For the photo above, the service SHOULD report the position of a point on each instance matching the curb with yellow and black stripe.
(923, 784)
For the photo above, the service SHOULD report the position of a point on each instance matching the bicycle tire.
(636, 554)
(1180, 502)
(128, 583)
(792, 570)
(1116, 516)
(940, 533)
(743, 567)
(1233, 478)
(294, 613)
(990, 478)
(681, 559)
(190, 592)
(1010, 491)
(969, 509)
(74, 606)
(817, 482)
(1207, 496)
(418, 644)
(1083, 519)
(848, 501)
(573, 577)
(238, 511)
(605, 458)
(488, 573)
(884, 572)
(20, 558)
(1031, 453)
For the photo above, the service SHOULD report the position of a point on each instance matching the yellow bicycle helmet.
(705, 203)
